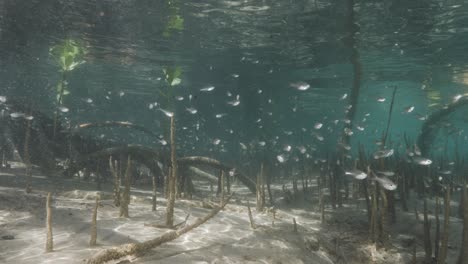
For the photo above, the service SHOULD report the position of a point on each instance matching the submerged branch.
(143, 247)
(125, 124)
(198, 160)
(428, 128)
(203, 174)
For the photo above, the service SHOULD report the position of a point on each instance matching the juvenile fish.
(422, 161)
(386, 183)
(380, 154)
(357, 174)
(386, 173)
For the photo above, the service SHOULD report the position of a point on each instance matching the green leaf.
(176, 81)
(69, 54)
(175, 23)
(172, 75)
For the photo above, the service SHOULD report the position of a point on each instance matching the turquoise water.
(256, 50)
(363, 103)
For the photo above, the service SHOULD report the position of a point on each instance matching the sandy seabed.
(226, 238)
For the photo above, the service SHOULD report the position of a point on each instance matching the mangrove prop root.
(125, 199)
(115, 173)
(252, 223)
(445, 234)
(463, 258)
(198, 160)
(429, 128)
(49, 241)
(172, 179)
(203, 174)
(125, 124)
(92, 241)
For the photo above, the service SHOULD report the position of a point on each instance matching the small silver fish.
(207, 89)
(348, 131)
(63, 109)
(409, 109)
(234, 102)
(385, 183)
(301, 86)
(456, 98)
(302, 149)
(191, 110)
(383, 153)
(167, 113)
(357, 174)
(422, 161)
(281, 158)
(16, 115)
(386, 173)
(445, 172)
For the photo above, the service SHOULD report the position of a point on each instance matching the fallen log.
(198, 160)
(140, 249)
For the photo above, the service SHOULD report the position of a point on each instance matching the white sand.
(226, 238)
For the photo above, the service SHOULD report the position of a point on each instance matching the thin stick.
(92, 241)
(49, 241)
(252, 223)
(27, 159)
(389, 116)
(172, 178)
